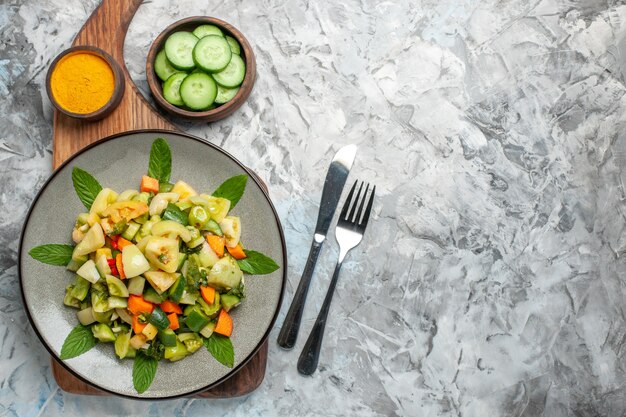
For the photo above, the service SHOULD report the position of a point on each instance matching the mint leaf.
(86, 186)
(256, 263)
(144, 370)
(232, 189)
(52, 254)
(221, 348)
(173, 212)
(79, 341)
(160, 165)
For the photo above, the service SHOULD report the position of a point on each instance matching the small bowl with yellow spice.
(84, 82)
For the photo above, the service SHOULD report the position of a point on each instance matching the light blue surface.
(492, 279)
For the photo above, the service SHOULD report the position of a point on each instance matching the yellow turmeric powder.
(82, 82)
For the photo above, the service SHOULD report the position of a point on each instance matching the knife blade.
(331, 193)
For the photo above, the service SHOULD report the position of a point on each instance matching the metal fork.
(349, 233)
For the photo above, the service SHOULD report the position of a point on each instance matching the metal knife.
(333, 186)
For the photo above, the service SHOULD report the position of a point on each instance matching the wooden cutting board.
(106, 29)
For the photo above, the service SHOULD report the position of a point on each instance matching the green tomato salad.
(157, 269)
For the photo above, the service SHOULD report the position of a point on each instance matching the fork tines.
(356, 217)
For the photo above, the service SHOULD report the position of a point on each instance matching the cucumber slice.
(212, 53)
(198, 91)
(231, 76)
(205, 30)
(171, 89)
(225, 94)
(178, 50)
(163, 67)
(234, 45)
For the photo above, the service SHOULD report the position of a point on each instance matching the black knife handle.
(289, 332)
(307, 362)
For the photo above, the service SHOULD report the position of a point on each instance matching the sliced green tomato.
(115, 302)
(217, 207)
(123, 314)
(99, 302)
(196, 242)
(234, 73)
(102, 265)
(89, 271)
(175, 353)
(68, 300)
(161, 281)
(162, 67)
(103, 332)
(178, 50)
(105, 197)
(198, 216)
(192, 342)
(171, 229)
(122, 345)
(93, 240)
(163, 253)
(135, 263)
(188, 298)
(224, 94)
(207, 256)
(160, 201)
(85, 316)
(136, 285)
(225, 274)
(116, 286)
(205, 30)
(103, 317)
(198, 91)
(127, 195)
(234, 45)
(212, 53)
(81, 288)
(231, 226)
(74, 265)
(171, 89)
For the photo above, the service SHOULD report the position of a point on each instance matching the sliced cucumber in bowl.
(198, 91)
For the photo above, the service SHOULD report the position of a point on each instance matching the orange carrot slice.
(224, 324)
(119, 266)
(171, 307)
(216, 243)
(208, 293)
(137, 305)
(173, 318)
(237, 252)
(149, 184)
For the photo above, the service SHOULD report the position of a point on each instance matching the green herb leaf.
(232, 189)
(256, 263)
(79, 341)
(173, 212)
(52, 254)
(221, 348)
(86, 186)
(160, 165)
(144, 370)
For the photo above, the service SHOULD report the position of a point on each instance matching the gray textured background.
(492, 281)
